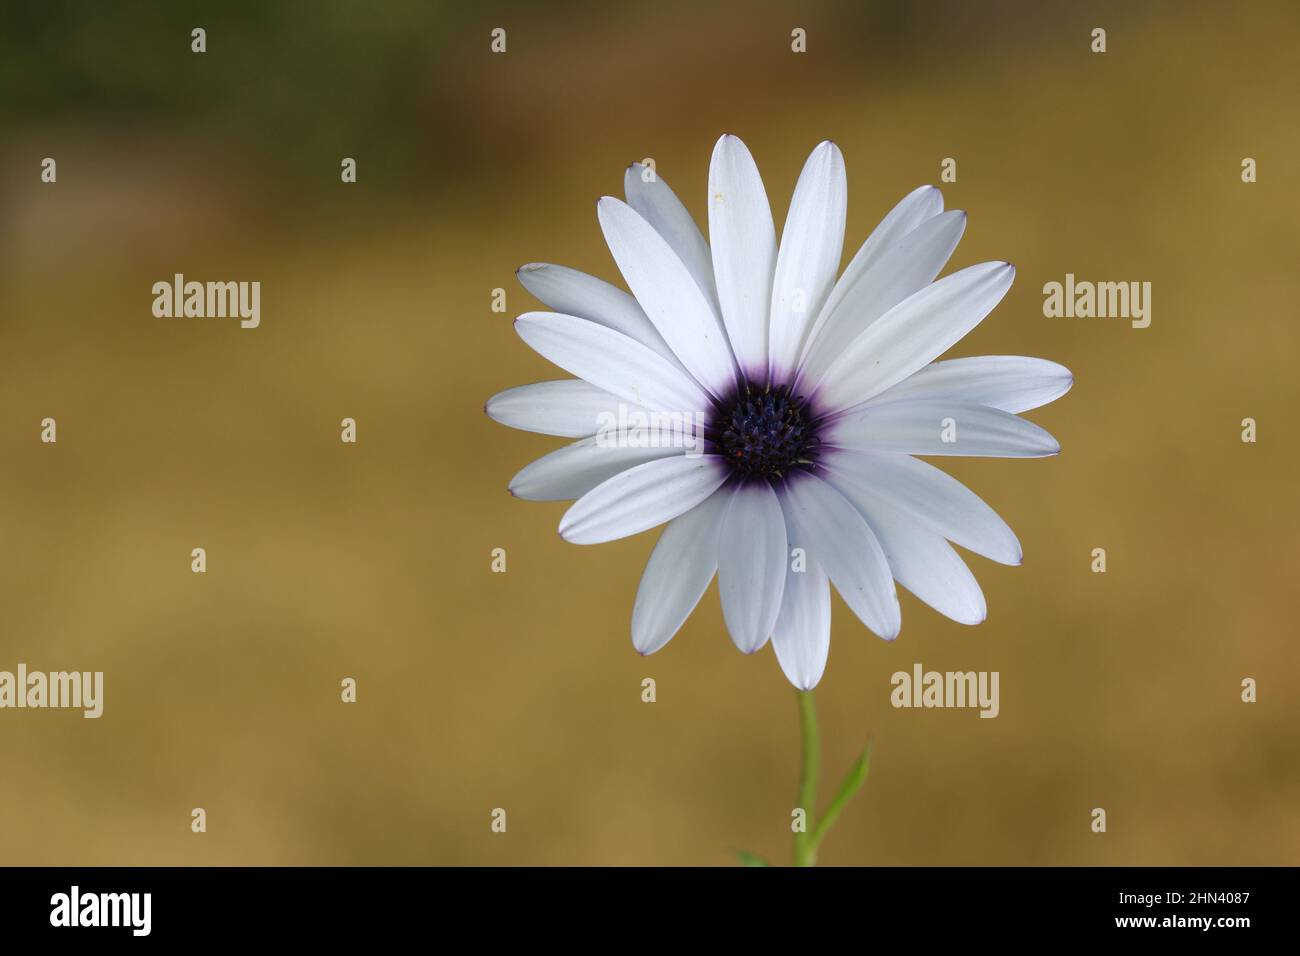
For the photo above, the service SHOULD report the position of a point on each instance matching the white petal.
(811, 245)
(1013, 383)
(915, 208)
(642, 497)
(571, 292)
(572, 471)
(802, 636)
(751, 564)
(612, 361)
(935, 498)
(659, 206)
(667, 291)
(921, 560)
(678, 573)
(902, 270)
(833, 533)
(912, 333)
(940, 428)
(570, 408)
(743, 241)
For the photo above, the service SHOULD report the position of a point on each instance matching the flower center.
(766, 432)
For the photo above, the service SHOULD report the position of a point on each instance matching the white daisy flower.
(809, 399)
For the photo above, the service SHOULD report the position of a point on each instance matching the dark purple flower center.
(765, 432)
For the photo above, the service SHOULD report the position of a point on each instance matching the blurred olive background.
(521, 690)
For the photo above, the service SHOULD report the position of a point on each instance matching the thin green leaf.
(853, 782)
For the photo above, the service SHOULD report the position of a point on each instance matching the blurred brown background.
(521, 690)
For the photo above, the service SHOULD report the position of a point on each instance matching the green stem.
(805, 846)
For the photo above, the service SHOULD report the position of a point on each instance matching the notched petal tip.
(729, 141)
(979, 617)
(608, 209)
(565, 531)
(646, 640)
